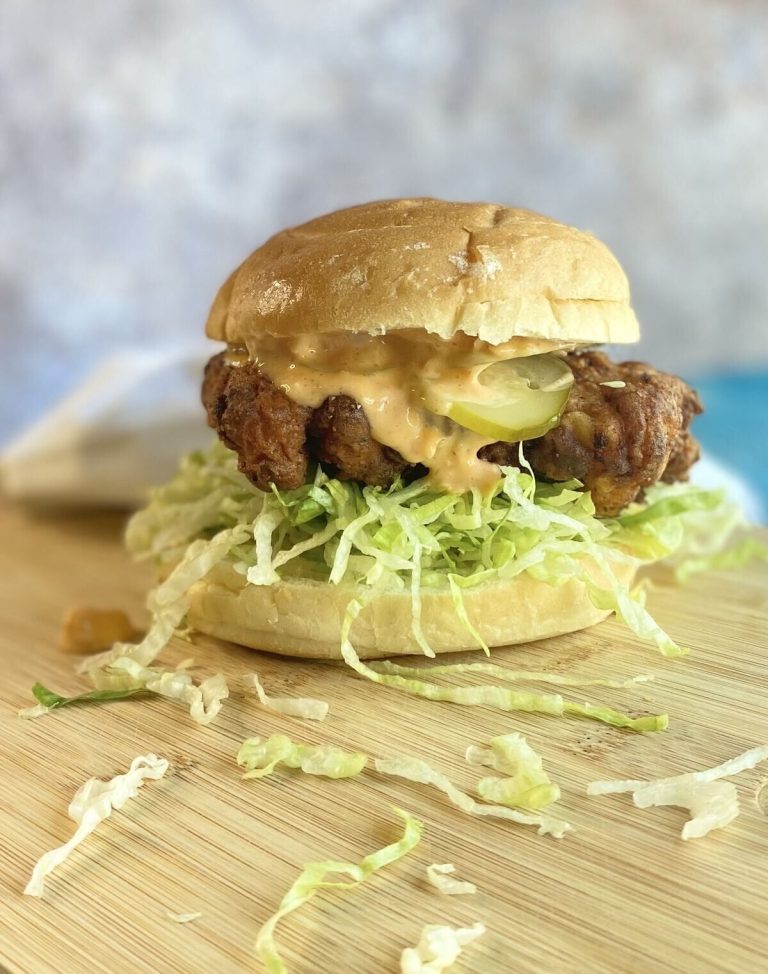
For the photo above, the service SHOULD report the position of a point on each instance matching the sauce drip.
(398, 379)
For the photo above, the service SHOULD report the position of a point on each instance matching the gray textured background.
(147, 145)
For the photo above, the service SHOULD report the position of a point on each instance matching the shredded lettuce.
(306, 707)
(169, 602)
(414, 769)
(204, 699)
(507, 675)
(440, 875)
(691, 529)
(438, 949)
(712, 803)
(736, 557)
(127, 666)
(126, 678)
(526, 785)
(93, 802)
(500, 698)
(314, 877)
(48, 700)
(260, 757)
(411, 539)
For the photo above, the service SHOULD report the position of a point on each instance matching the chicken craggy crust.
(340, 438)
(266, 429)
(617, 441)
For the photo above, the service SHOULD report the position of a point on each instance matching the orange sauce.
(402, 380)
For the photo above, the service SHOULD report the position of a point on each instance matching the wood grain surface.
(621, 893)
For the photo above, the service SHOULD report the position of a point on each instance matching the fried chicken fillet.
(625, 427)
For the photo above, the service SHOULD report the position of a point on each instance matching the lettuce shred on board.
(93, 802)
(260, 757)
(712, 803)
(525, 785)
(314, 877)
(411, 539)
(305, 707)
(414, 769)
(125, 677)
(440, 875)
(504, 674)
(438, 949)
(500, 698)
(204, 699)
(48, 700)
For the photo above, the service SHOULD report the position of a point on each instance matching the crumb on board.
(87, 630)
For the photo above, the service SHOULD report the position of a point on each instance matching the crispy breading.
(618, 441)
(267, 430)
(340, 436)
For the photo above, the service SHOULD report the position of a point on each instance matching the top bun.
(489, 271)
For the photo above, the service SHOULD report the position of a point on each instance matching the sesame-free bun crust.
(304, 618)
(489, 271)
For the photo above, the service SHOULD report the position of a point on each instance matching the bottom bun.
(304, 618)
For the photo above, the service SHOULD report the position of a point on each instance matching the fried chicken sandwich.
(419, 447)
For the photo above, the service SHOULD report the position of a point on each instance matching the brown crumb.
(85, 630)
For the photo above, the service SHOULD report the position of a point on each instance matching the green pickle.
(526, 397)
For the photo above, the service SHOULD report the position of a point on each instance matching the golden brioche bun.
(489, 271)
(304, 618)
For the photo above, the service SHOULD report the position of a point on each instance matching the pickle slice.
(522, 398)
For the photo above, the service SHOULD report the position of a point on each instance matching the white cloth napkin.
(120, 432)
(125, 428)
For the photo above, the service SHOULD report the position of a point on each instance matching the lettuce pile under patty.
(412, 537)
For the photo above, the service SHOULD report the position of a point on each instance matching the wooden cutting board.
(621, 893)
